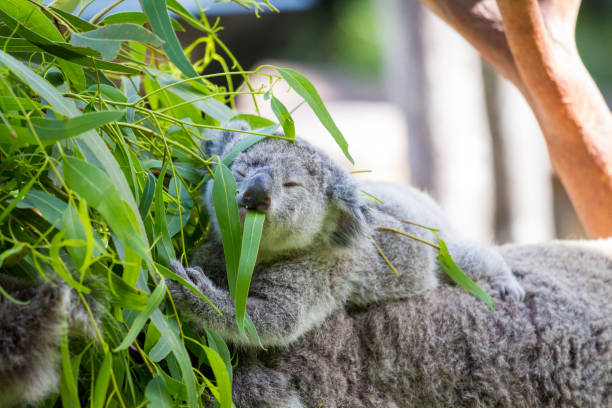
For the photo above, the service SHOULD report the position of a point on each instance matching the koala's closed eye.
(240, 173)
(292, 184)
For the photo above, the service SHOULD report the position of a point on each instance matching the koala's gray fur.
(29, 341)
(30, 338)
(444, 348)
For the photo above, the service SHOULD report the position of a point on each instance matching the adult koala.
(317, 253)
(445, 348)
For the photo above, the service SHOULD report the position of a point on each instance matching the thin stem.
(382, 254)
(409, 236)
(101, 14)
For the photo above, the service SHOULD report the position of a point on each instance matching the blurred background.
(417, 104)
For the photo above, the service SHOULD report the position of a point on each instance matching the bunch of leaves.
(101, 124)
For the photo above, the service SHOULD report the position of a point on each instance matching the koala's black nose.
(257, 194)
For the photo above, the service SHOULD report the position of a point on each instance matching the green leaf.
(306, 90)
(254, 121)
(458, 276)
(48, 40)
(157, 12)
(16, 136)
(13, 45)
(66, 5)
(29, 16)
(180, 353)
(216, 342)
(107, 39)
(135, 17)
(64, 217)
(160, 350)
(39, 85)
(152, 304)
(123, 294)
(132, 17)
(283, 116)
(74, 73)
(9, 103)
(108, 92)
(226, 210)
(94, 186)
(78, 55)
(157, 393)
(78, 23)
(165, 250)
(147, 196)
(51, 207)
(102, 381)
(52, 130)
(224, 385)
(253, 226)
(68, 387)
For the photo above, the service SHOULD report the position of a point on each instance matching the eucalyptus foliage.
(101, 168)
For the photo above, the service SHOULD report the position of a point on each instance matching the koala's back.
(447, 349)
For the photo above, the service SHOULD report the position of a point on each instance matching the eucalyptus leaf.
(180, 353)
(284, 117)
(136, 17)
(157, 12)
(165, 250)
(107, 39)
(224, 385)
(157, 393)
(216, 342)
(459, 276)
(137, 325)
(102, 381)
(251, 237)
(226, 210)
(300, 84)
(77, 22)
(52, 130)
(94, 185)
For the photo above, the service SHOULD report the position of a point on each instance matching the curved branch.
(574, 117)
(532, 44)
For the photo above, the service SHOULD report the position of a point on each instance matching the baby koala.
(317, 251)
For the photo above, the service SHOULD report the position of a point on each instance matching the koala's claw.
(508, 286)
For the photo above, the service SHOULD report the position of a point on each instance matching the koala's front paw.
(507, 286)
(193, 275)
(183, 295)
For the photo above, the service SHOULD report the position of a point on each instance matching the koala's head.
(306, 197)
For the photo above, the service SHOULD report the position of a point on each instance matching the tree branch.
(532, 44)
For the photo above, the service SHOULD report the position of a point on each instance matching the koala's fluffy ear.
(221, 141)
(352, 213)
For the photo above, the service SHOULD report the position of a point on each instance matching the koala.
(30, 338)
(317, 252)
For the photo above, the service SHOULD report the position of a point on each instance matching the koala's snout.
(257, 193)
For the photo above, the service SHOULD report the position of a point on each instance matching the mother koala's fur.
(446, 349)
